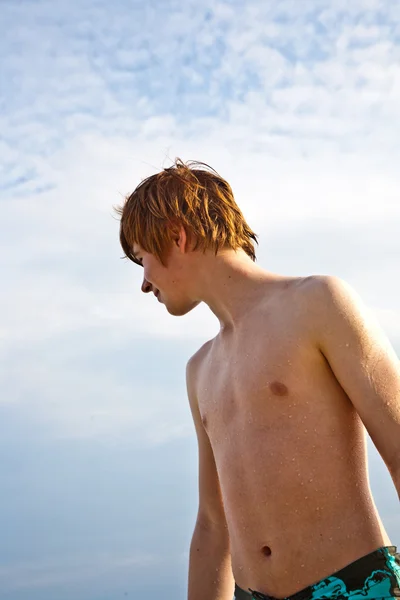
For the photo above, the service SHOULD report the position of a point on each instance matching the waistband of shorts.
(345, 573)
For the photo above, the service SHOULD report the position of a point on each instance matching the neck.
(231, 284)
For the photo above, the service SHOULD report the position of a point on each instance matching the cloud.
(66, 276)
(294, 103)
(327, 71)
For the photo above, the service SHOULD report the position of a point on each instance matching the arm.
(210, 571)
(363, 361)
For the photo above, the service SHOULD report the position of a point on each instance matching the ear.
(180, 238)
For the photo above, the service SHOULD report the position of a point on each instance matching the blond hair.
(190, 194)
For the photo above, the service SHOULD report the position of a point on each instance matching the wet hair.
(190, 194)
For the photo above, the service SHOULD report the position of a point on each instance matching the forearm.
(210, 570)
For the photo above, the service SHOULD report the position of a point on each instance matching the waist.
(374, 575)
(283, 566)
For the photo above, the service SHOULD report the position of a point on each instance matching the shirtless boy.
(281, 401)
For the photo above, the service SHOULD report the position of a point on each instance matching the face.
(166, 283)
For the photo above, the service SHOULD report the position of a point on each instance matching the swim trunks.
(373, 576)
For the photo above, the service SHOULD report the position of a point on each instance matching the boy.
(281, 400)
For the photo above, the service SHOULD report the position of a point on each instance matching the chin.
(180, 311)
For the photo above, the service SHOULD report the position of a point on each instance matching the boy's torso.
(289, 448)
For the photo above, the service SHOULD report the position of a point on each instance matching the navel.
(204, 421)
(278, 388)
(266, 550)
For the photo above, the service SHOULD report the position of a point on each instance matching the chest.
(259, 380)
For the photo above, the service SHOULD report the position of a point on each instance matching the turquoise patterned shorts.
(375, 576)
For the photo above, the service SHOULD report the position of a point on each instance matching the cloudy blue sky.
(297, 104)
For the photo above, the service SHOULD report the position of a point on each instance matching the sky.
(296, 104)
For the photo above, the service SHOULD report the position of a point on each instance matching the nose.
(146, 286)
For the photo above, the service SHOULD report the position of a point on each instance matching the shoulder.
(302, 294)
(305, 291)
(314, 286)
(197, 359)
(326, 290)
(193, 368)
(308, 285)
(334, 306)
(313, 300)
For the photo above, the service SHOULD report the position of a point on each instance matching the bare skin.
(289, 447)
(288, 444)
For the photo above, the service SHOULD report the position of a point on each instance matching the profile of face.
(168, 283)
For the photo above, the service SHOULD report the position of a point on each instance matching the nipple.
(278, 388)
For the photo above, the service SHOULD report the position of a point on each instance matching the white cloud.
(121, 75)
(67, 275)
(294, 103)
